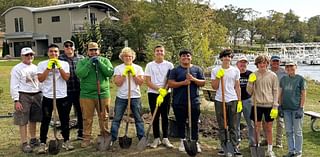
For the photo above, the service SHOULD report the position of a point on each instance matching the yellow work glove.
(159, 101)
(252, 77)
(57, 62)
(274, 113)
(163, 92)
(220, 73)
(127, 69)
(50, 63)
(239, 106)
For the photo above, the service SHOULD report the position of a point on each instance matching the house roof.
(96, 4)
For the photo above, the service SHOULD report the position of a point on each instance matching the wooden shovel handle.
(223, 104)
(129, 95)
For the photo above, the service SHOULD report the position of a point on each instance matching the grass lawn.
(10, 143)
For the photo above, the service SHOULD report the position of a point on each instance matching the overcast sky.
(302, 8)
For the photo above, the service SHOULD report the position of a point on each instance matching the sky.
(302, 8)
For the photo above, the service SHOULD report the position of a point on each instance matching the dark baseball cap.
(274, 57)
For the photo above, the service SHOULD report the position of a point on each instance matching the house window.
(18, 24)
(55, 18)
(21, 24)
(39, 20)
(93, 18)
(56, 39)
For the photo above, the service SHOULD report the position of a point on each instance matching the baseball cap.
(93, 45)
(26, 50)
(68, 41)
(275, 58)
(243, 58)
(288, 63)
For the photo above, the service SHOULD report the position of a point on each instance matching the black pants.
(73, 98)
(63, 110)
(181, 114)
(163, 110)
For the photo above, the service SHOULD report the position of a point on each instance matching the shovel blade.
(54, 146)
(191, 147)
(142, 143)
(103, 142)
(125, 142)
(257, 152)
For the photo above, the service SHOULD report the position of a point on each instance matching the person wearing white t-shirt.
(156, 78)
(62, 74)
(232, 95)
(121, 73)
(25, 92)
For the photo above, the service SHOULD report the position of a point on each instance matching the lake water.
(309, 71)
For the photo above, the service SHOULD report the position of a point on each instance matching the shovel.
(125, 142)
(144, 140)
(56, 144)
(227, 146)
(256, 151)
(190, 145)
(104, 140)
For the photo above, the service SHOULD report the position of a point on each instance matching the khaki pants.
(88, 106)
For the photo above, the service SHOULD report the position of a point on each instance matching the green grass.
(10, 143)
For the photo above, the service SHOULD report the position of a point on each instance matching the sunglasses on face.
(67, 45)
(29, 54)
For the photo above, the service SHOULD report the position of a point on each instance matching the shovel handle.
(189, 107)
(54, 100)
(223, 104)
(255, 115)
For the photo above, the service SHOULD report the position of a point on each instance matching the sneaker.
(237, 152)
(199, 148)
(181, 147)
(34, 142)
(270, 154)
(166, 142)
(42, 149)
(290, 154)
(155, 143)
(279, 145)
(221, 152)
(85, 143)
(67, 145)
(298, 154)
(26, 148)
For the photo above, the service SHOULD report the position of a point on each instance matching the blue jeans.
(119, 109)
(293, 128)
(246, 110)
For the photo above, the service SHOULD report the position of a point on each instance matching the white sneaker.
(199, 148)
(166, 142)
(270, 154)
(181, 147)
(155, 143)
(42, 148)
(67, 145)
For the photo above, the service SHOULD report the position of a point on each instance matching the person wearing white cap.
(242, 64)
(292, 99)
(73, 84)
(25, 92)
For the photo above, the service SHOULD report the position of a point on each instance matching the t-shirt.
(230, 76)
(23, 79)
(291, 91)
(158, 73)
(123, 89)
(243, 84)
(280, 73)
(47, 84)
(180, 94)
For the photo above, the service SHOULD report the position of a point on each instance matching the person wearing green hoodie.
(87, 71)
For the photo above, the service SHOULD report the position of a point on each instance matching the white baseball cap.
(26, 50)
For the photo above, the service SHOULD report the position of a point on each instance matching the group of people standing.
(84, 82)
